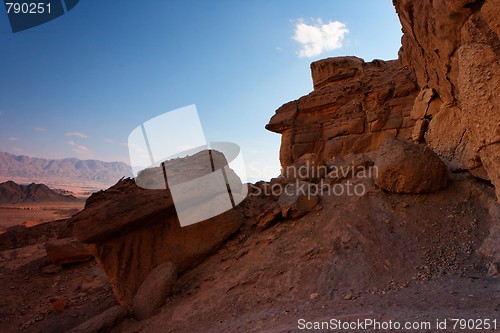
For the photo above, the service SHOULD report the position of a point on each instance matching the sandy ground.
(385, 258)
(35, 213)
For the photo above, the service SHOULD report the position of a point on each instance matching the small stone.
(58, 304)
(494, 269)
(349, 296)
(314, 296)
(51, 269)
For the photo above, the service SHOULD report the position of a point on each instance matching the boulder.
(153, 291)
(405, 167)
(135, 230)
(296, 199)
(68, 251)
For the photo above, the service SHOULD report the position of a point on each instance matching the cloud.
(77, 134)
(79, 149)
(39, 129)
(12, 138)
(319, 37)
(1, 113)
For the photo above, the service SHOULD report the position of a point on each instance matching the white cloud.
(12, 138)
(77, 134)
(39, 129)
(79, 149)
(319, 37)
(82, 149)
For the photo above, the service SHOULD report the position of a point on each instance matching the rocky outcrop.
(354, 107)
(443, 91)
(135, 230)
(453, 47)
(404, 167)
(67, 251)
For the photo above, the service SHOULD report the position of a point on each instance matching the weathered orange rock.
(443, 91)
(135, 230)
(68, 251)
(453, 47)
(354, 107)
(405, 167)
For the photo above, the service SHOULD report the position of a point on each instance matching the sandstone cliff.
(443, 91)
(453, 47)
(354, 107)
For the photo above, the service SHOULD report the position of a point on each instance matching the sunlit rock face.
(442, 91)
(354, 108)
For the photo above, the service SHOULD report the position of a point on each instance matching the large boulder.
(154, 290)
(135, 230)
(405, 167)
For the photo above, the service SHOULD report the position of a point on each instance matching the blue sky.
(78, 85)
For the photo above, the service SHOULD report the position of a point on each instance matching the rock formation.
(67, 251)
(135, 230)
(354, 107)
(443, 91)
(453, 47)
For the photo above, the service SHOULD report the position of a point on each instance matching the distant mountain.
(69, 170)
(11, 192)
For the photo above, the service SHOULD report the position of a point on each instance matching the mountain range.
(11, 192)
(68, 170)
